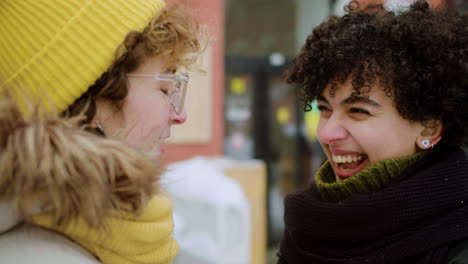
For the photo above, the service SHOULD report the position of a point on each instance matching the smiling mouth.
(348, 165)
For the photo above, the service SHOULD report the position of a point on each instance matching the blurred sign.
(311, 120)
(238, 85)
(282, 115)
(198, 104)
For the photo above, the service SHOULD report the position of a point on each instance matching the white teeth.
(347, 158)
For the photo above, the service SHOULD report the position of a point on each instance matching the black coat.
(422, 217)
(458, 253)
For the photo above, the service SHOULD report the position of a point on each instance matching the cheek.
(146, 119)
(382, 143)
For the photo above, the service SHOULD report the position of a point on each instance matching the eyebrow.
(352, 100)
(321, 98)
(359, 99)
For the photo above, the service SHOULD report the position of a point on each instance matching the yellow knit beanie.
(55, 49)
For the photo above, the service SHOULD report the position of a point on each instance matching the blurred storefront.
(263, 117)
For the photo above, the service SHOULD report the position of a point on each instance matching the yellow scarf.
(126, 238)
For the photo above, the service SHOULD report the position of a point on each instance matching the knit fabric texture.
(51, 51)
(412, 219)
(126, 238)
(371, 179)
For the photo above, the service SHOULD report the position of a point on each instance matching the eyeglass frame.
(181, 83)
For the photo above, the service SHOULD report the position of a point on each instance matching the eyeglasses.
(176, 87)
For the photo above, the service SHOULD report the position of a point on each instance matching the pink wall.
(210, 13)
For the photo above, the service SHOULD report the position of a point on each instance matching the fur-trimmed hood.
(51, 164)
(8, 216)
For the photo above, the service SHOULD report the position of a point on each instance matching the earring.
(99, 129)
(425, 143)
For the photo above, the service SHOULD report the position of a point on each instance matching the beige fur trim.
(52, 164)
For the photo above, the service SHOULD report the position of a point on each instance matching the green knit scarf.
(371, 179)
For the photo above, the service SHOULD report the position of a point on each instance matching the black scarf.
(414, 219)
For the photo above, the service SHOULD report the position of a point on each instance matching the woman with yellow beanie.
(68, 68)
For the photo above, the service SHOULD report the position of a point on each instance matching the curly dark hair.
(419, 56)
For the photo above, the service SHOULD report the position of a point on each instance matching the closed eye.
(355, 110)
(322, 108)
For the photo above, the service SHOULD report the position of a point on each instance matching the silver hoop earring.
(425, 143)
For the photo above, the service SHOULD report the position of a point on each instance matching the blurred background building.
(243, 110)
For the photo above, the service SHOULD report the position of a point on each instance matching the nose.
(331, 130)
(178, 119)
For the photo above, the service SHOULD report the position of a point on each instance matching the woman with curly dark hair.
(392, 88)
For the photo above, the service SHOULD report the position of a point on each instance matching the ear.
(430, 135)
